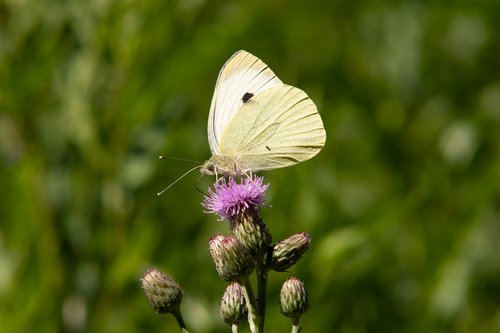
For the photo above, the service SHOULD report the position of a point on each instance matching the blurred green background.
(402, 203)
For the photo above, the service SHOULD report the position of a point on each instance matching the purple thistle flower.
(228, 198)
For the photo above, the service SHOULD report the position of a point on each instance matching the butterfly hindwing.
(276, 128)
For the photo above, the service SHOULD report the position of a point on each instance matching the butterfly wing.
(241, 77)
(277, 128)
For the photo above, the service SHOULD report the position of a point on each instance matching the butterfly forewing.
(241, 78)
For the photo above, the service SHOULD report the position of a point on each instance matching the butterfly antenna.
(161, 157)
(175, 181)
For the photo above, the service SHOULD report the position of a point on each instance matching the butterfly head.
(208, 168)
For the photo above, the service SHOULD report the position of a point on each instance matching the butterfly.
(256, 122)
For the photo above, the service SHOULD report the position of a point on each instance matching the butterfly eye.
(246, 97)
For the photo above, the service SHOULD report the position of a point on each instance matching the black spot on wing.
(246, 97)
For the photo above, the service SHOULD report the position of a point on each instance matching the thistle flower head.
(229, 198)
(293, 299)
(232, 307)
(162, 291)
(232, 259)
(288, 251)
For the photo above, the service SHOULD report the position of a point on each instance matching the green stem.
(262, 273)
(295, 325)
(253, 316)
(180, 321)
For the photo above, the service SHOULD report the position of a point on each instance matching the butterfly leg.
(248, 174)
(235, 169)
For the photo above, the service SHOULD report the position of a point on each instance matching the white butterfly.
(258, 123)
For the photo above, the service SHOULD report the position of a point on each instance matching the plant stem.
(180, 321)
(234, 328)
(295, 325)
(261, 272)
(253, 316)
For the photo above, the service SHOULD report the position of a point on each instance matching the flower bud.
(249, 229)
(162, 292)
(287, 252)
(232, 259)
(232, 307)
(293, 299)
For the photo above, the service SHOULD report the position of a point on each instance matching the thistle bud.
(162, 291)
(232, 307)
(293, 299)
(249, 229)
(232, 259)
(287, 252)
